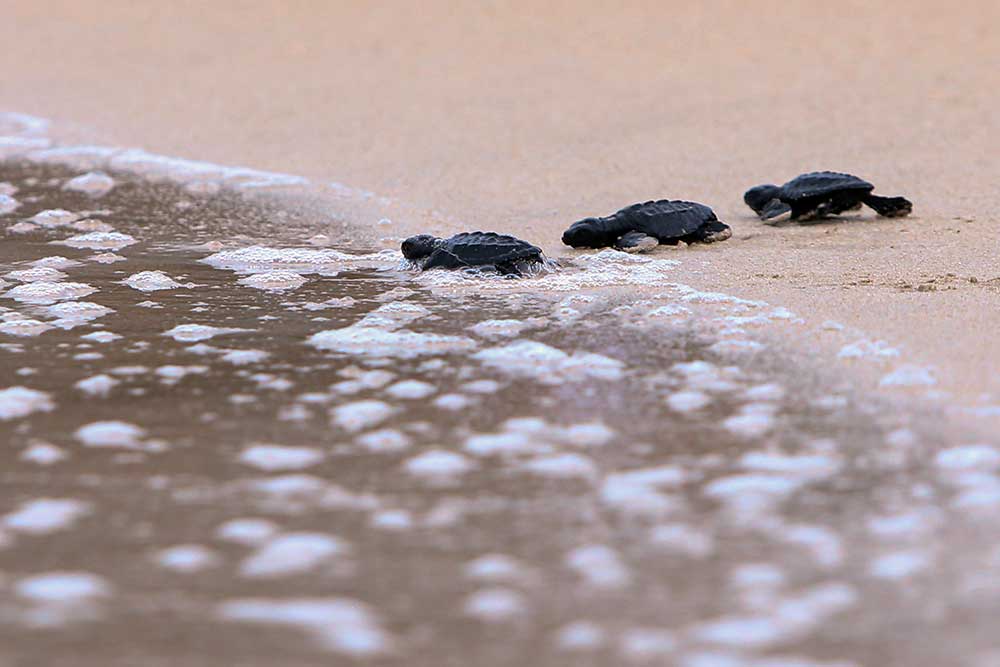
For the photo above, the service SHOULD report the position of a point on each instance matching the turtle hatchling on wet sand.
(820, 194)
(505, 254)
(642, 227)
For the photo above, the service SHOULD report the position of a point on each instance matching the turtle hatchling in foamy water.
(507, 255)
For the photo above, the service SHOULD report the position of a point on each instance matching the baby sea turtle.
(818, 195)
(642, 227)
(506, 254)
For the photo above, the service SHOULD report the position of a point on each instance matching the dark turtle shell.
(666, 219)
(481, 249)
(822, 184)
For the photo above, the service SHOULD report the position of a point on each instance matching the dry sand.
(522, 118)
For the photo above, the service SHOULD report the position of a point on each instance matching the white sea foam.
(53, 218)
(17, 402)
(360, 415)
(374, 341)
(97, 385)
(599, 566)
(36, 274)
(549, 365)
(251, 532)
(99, 241)
(95, 184)
(24, 327)
(340, 625)
(45, 515)
(187, 558)
(115, 434)
(438, 466)
(273, 281)
(44, 293)
(293, 553)
(307, 260)
(277, 457)
(192, 333)
(43, 454)
(151, 281)
(496, 605)
(8, 204)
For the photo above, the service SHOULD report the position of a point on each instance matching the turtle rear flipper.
(776, 211)
(889, 207)
(636, 242)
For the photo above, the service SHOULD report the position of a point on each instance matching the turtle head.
(585, 233)
(758, 197)
(419, 246)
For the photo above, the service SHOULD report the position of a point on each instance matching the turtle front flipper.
(713, 231)
(776, 211)
(636, 242)
(889, 207)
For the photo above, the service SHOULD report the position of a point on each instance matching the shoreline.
(826, 295)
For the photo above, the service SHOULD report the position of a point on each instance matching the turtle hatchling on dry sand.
(642, 227)
(508, 255)
(820, 194)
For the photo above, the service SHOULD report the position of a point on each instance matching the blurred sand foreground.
(523, 118)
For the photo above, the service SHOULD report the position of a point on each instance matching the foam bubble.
(110, 434)
(599, 566)
(646, 644)
(78, 311)
(438, 466)
(384, 440)
(968, 457)
(276, 457)
(580, 636)
(55, 262)
(549, 365)
(192, 333)
(250, 532)
(909, 376)
(275, 281)
(688, 401)
(496, 605)
(411, 390)
(187, 558)
(37, 274)
(244, 357)
(99, 241)
(374, 341)
(261, 258)
(499, 328)
(43, 454)
(562, 466)
(16, 402)
(97, 385)
(341, 625)
(62, 587)
(360, 415)
(24, 327)
(95, 184)
(45, 515)
(292, 553)
(52, 218)
(899, 565)
(151, 281)
(44, 293)
(8, 204)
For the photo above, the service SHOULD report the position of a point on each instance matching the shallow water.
(298, 456)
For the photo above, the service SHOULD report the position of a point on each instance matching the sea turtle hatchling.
(644, 226)
(508, 255)
(820, 194)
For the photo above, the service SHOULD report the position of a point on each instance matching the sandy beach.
(232, 443)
